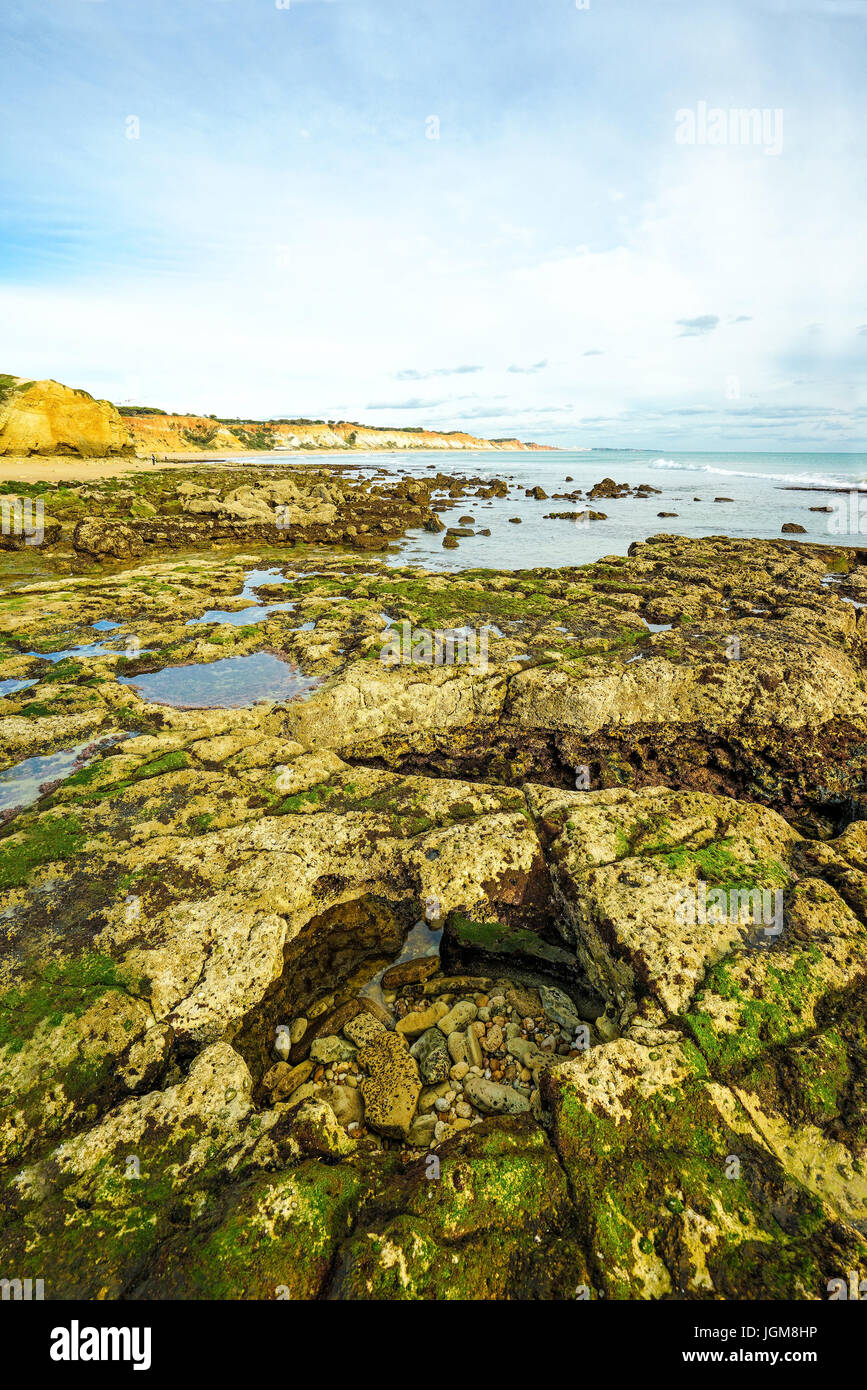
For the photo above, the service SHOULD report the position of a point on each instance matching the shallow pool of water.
(89, 649)
(11, 687)
(235, 682)
(256, 612)
(21, 785)
(422, 940)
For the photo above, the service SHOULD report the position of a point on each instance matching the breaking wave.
(827, 479)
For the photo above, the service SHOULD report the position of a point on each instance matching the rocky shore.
(384, 992)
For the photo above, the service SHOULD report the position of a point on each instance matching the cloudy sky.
(511, 216)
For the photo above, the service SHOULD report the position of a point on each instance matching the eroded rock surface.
(611, 1083)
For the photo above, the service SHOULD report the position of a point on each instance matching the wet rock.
(414, 1023)
(421, 1132)
(410, 972)
(493, 1099)
(457, 1017)
(432, 1055)
(458, 984)
(100, 537)
(608, 488)
(346, 1103)
(559, 1006)
(377, 1011)
(527, 1053)
(362, 1029)
(475, 1056)
(281, 1080)
(317, 1131)
(431, 1094)
(332, 1048)
(392, 1088)
(792, 528)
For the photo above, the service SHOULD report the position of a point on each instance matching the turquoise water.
(766, 490)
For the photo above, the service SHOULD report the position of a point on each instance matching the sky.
(528, 218)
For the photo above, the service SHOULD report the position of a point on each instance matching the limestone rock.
(392, 1088)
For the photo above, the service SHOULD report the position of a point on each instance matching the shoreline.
(59, 468)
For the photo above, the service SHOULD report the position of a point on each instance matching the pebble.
(494, 1099)
(474, 1051)
(459, 1071)
(375, 1009)
(432, 1055)
(457, 1045)
(456, 984)
(346, 1104)
(362, 1029)
(411, 972)
(421, 1131)
(526, 1051)
(558, 1006)
(332, 1048)
(297, 1029)
(282, 1079)
(495, 1038)
(464, 1110)
(457, 1017)
(416, 1023)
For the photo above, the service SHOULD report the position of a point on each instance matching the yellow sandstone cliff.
(196, 433)
(43, 417)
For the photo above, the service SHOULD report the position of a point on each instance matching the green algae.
(48, 839)
(62, 990)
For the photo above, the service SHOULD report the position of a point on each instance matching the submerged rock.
(392, 1089)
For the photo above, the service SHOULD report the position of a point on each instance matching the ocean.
(758, 485)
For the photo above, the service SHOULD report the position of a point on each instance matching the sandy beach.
(60, 468)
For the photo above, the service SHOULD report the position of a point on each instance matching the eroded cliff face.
(44, 417)
(197, 433)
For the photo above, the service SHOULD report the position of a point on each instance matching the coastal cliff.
(44, 418)
(197, 433)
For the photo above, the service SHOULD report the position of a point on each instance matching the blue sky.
(281, 234)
